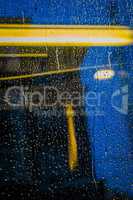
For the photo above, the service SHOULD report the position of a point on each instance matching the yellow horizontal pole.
(52, 72)
(72, 143)
(64, 35)
(24, 55)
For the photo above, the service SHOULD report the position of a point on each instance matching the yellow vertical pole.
(72, 143)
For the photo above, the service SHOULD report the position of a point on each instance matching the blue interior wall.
(111, 134)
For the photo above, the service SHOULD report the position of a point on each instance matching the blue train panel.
(70, 12)
(108, 108)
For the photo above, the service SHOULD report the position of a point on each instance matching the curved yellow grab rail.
(64, 35)
(72, 143)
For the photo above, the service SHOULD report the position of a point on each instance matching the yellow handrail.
(24, 55)
(52, 72)
(64, 35)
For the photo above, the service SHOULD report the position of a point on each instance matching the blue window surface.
(105, 76)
